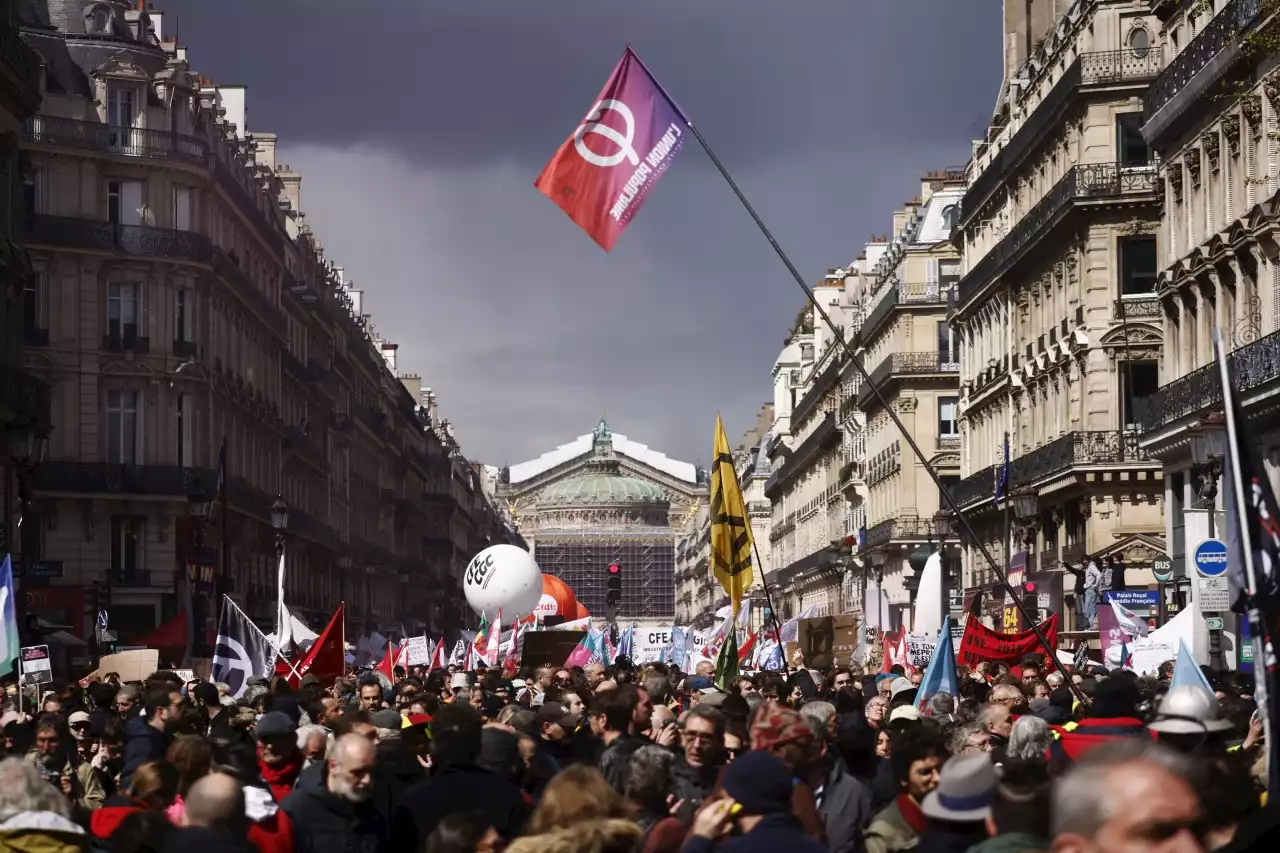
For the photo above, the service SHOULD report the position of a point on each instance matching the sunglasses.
(79, 727)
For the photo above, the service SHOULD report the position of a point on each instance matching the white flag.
(1128, 621)
(284, 624)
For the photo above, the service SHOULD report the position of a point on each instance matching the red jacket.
(272, 834)
(1075, 739)
(106, 820)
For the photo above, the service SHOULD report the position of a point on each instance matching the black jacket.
(617, 757)
(452, 789)
(323, 823)
(193, 838)
(142, 743)
(692, 784)
(396, 770)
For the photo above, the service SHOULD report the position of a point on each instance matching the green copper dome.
(601, 488)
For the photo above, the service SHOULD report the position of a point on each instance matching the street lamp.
(943, 524)
(1026, 503)
(1208, 447)
(280, 521)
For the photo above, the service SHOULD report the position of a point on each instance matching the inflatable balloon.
(580, 612)
(502, 577)
(557, 598)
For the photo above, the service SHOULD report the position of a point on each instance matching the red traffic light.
(613, 568)
(1029, 586)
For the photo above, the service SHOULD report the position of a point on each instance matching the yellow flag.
(730, 532)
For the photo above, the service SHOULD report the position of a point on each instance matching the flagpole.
(879, 395)
(768, 597)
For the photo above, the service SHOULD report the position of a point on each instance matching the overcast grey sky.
(420, 126)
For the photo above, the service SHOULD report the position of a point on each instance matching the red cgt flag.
(603, 171)
(326, 658)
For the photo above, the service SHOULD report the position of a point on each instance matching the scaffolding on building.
(581, 559)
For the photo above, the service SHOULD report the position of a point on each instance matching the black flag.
(242, 650)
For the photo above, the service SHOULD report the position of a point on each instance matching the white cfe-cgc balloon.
(503, 577)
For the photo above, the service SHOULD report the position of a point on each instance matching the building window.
(31, 538)
(949, 482)
(1141, 379)
(128, 540)
(182, 208)
(121, 105)
(948, 344)
(122, 427)
(181, 314)
(948, 274)
(1139, 42)
(33, 192)
(948, 417)
(122, 310)
(182, 429)
(124, 202)
(1138, 266)
(1131, 146)
(33, 306)
(950, 217)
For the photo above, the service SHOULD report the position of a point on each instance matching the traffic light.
(613, 588)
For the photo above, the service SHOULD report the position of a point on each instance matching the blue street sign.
(1210, 558)
(1132, 598)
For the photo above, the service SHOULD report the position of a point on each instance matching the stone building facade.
(181, 305)
(913, 356)
(1059, 323)
(1212, 116)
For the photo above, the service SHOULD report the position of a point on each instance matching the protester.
(337, 815)
(916, 759)
(144, 738)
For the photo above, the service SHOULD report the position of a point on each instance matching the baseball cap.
(77, 717)
(273, 724)
(459, 681)
(555, 712)
(904, 712)
(697, 682)
(386, 719)
(900, 685)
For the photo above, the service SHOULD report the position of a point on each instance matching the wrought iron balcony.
(230, 272)
(1119, 66)
(137, 344)
(109, 478)
(20, 59)
(26, 395)
(905, 363)
(133, 240)
(125, 141)
(1251, 366)
(978, 486)
(902, 527)
(1220, 34)
(1086, 181)
(903, 294)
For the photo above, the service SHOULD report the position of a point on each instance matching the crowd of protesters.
(641, 759)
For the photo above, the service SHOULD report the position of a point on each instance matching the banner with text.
(980, 643)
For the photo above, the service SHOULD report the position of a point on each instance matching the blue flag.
(1186, 670)
(940, 675)
(10, 644)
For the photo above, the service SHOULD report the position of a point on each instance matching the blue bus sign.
(1210, 558)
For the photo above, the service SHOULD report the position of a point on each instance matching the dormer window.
(98, 18)
(950, 217)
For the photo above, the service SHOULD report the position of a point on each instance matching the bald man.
(213, 818)
(339, 815)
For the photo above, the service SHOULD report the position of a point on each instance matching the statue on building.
(602, 435)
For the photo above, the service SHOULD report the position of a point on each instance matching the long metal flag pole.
(875, 390)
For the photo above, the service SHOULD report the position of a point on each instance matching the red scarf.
(280, 779)
(912, 814)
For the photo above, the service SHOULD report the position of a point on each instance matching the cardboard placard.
(549, 648)
(828, 641)
(132, 665)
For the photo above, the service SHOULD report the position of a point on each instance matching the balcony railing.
(902, 527)
(1220, 34)
(1251, 365)
(25, 394)
(1087, 181)
(129, 577)
(109, 478)
(1138, 308)
(134, 240)
(1119, 66)
(1098, 447)
(900, 363)
(230, 272)
(125, 141)
(903, 294)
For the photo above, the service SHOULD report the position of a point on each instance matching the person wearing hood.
(457, 783)
(500, 755)
(757, 810)
(33, 816)
(397, 768)
(338, 816)
(801, 688)
(144, 735)
(279, 759)
(580, 813)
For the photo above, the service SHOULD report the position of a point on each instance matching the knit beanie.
(760, 783)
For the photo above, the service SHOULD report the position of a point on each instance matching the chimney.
(291, 187)
(265, 149)
(389, 355)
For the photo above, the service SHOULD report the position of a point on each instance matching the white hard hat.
(1189, 709)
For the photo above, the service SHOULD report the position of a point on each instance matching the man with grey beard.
(338, 815)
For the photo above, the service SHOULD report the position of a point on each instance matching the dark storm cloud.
(419, 128)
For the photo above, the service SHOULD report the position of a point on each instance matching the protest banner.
(920, 648)
(980, 643)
